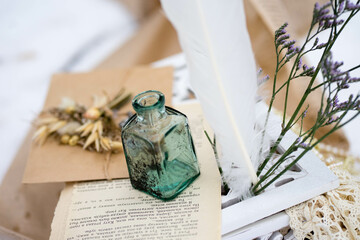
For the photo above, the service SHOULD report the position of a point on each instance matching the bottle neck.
(150, 107)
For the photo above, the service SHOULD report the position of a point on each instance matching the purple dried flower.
(316, 7)
(304, 145)
(328, 24)
(331, 120)
(299, 64)
(289, 44)
(308, 72)
(304, 113)
(338, 64)
(345, 86)
(291, 52)
(341, 6)
(262, 80)
(321, 45)
(326, 17)
(350, 6)
(282, 38)
(339, 22)
(316, 42)
(323, 12)
(353, 80)
(281, 31)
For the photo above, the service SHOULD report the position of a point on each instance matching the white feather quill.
(215, 40)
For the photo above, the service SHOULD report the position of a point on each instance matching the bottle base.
(163, 196)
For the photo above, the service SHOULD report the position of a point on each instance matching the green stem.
(332, 39)
(336, 127)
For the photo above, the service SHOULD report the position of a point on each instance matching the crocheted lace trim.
(333, 215)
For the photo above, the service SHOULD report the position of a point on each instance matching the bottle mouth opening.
(148, 100)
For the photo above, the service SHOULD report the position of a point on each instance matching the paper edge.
(58, 225)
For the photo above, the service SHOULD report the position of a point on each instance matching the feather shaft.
(222, 72)
(239, 138)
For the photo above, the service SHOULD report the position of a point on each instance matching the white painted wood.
(313, 179)
(259, 228)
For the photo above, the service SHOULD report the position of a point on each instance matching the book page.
(115, 210)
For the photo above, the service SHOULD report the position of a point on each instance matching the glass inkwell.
(158, 147)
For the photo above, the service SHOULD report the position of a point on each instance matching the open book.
(114, 210)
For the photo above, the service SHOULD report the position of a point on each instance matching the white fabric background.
(39, 38)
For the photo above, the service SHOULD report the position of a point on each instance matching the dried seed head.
(73, 140)
(69, 128)
(55, 126)
(70, 109)
(65, 139)
(41, 134)
(92, 113)
(96, 126)
(90, 139)
(105, 143)
(100, 128)
(116, 146)
(82, 127)
(46, 121)
(97, 144)
(40, 131)
(87, 130)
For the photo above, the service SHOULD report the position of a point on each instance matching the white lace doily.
(333, 215)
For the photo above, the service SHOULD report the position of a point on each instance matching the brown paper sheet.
(53, 162)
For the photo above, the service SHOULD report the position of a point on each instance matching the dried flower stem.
(329, 108)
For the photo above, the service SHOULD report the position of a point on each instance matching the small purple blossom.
(281, 31)
(304, 145)
(336, 101)
(339, 22)
(307, 71)
(345, 86)
(351, 6)
(321, 45)
(332, 73)
(282, 39)
(292, 52)
(332, 120)
(263, 80)
(298, 66)
(316, 42)
(341, 6)
(354, 79)
(289, 44)
(304, 113)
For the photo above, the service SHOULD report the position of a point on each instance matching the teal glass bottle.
(158, 147)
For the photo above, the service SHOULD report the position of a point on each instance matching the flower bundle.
(92, 128)
(332, 17)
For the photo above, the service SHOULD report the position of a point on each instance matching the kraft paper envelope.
(53, 162)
